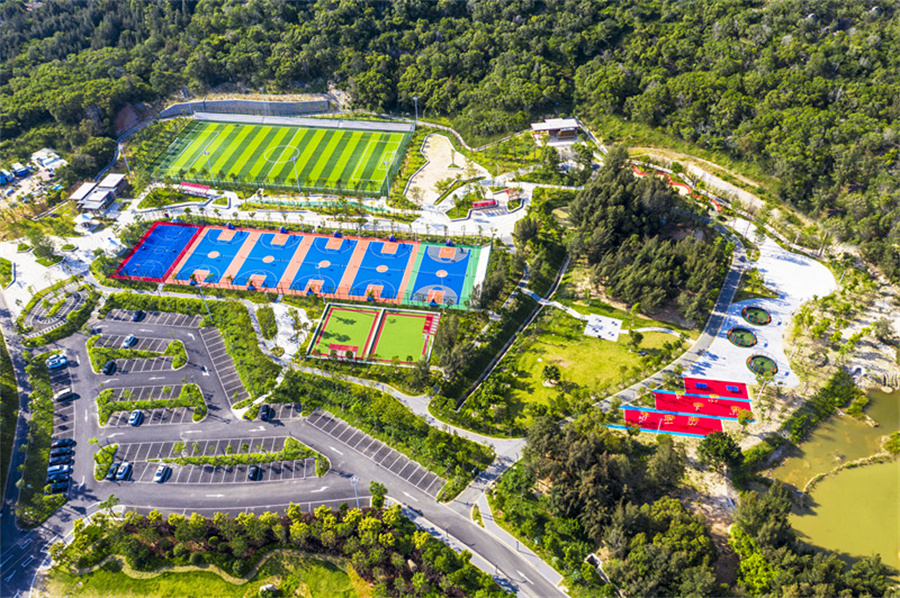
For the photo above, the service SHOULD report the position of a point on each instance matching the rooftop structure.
(47, 158)
(113, 181)
(83, 191)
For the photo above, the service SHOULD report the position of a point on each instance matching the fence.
(258, 107)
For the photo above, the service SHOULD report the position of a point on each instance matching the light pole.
(294, 160)
(355, 480)
(206, 153)
(416, 102)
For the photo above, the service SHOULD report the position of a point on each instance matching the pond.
(856, 512)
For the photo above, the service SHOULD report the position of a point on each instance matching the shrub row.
(190, 396)
(103, 459)
(293, 450)
(266, 318)
(75, 320)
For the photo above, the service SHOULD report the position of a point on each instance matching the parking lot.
(156, 318)
(114, 341)
(223, 365)
(152, 417)
(138, 454)
(63, 411)
(155, 364)
(386, 457)
(285, 411)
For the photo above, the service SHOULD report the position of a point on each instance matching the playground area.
(742, 337)
(349, 268)
(374, 335)
(310, 158)
(756, 315)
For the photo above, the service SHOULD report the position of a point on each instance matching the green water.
(857, 511)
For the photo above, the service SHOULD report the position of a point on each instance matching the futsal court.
(374, 335)
(350, 268)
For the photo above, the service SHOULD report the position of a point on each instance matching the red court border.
(199, 229)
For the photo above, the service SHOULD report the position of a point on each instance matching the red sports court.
(667, 400)
(716, 388)
(679, 424)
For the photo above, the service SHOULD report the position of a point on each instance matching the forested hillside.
(807, 91)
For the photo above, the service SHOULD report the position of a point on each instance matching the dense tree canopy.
(810, 92)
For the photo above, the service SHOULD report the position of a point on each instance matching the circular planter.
(742, 337)
(756, 315)
(761, 364)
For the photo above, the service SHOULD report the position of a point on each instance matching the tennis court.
(348, 268)
(374, 335)
(311, 158)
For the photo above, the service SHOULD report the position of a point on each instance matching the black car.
(59, 487)
(60, 460)
(57, 478)
(112, 471)
(61, 452)
(266, 413)
(255, 472)
(62, 442)
(109, 368)
(138, 315)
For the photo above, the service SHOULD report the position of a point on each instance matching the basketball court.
(350, 268)
(374, 335)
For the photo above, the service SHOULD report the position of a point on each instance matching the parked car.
(255, 472)
(124, 471)
(63, 394)
(57, 477)
(136, 417)
(162, 474)
(109, 368)
(112, 471)
(129, 341)
(138, 315)
(62, 442)
(54, 469)
(57, 361)
(60, 460)
(59, 487)
(266, 413)
(58, 452)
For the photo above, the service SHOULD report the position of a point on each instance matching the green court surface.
(343, 329)
(308, 158)
(403, 336)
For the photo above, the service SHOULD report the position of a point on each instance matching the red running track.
(700, 405)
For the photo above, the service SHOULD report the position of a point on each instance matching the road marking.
(10, 576)
(158, 378)
(206, 373)
(116, 434)
(523, 575)
(411, 496)
(192, 431)
(191, 334)
(335, 450)
(215, 495)
(322, 489)
(144, 330)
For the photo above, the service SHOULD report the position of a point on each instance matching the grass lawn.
(297, 574)
(49, 261)
(5, 272)
(401, 337)
(162, 197)
(583, 361)
(345, 326)
(283, 156)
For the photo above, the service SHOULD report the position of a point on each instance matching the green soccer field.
(345, 328)
(307, 158)
(401, 337)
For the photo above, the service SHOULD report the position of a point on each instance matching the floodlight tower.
(208, 167)
(416, 102)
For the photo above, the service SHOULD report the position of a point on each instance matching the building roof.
(111, 181)
(555, 124)
(97, 200)
(83, 191)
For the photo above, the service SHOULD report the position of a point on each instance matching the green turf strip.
(253, 153)
(280, 173)
(217, 148)
(374, 160)
(313, 156)
(327, 153)
(262, 164)
(305, 161)
(410, 288)
(256, 134)
(188, 155)
(224, 157)
(469, 282)
(195, 158)
(402, 336)
(328, 162)
(346, 163)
